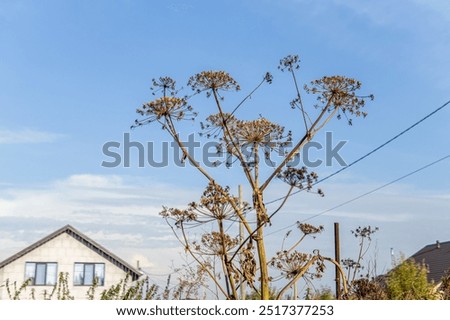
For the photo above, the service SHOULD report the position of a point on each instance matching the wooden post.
(243, 287)
(337, 257)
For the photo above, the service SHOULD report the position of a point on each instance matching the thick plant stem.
(227, 267)
(263, 269)
(262, 219)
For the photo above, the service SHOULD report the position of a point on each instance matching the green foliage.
(408, 281)
(445, 286)
(15, 292)
(61, 289)
(124, 290)
(254, 295)
(322, 294)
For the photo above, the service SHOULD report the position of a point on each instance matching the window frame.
(47, 282)
(95, 265)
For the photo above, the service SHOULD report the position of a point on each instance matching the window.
(41, 273)
(85, 273)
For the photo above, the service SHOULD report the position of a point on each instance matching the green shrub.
(408, 281)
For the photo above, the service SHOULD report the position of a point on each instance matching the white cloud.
(102, 236)
(165, 257)
(92, 181)
(25, 135)
(88, 198)
(121, 213)
(6, 206)
(9, 244)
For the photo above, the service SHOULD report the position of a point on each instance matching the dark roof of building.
(436, 257)
(91, 244)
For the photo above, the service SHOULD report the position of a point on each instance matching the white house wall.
(66, 251)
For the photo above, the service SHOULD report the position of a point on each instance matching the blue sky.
(72, 74)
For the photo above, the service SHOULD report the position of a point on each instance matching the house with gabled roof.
(66, 251)
(436, 258)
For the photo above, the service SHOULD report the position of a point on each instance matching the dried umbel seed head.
(268, 77)
(163, 83)
(215, 123)
(216, 243)
(350, 264)
(309, 229)
(216, 203)
(260, 131)
(217, 120)
(298, 177)
(178, 215)
(164, 108)
(290, 263)
(213, 80)
(289, 63)
(338, 92)
(364, 232)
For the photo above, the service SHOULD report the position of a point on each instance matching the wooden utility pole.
(295, 293)
(243, 287)
(337, 257)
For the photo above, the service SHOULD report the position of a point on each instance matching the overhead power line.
(381, 187)
(366, 193)
(369, 153)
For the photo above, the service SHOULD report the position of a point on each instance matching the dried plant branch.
(336, 97)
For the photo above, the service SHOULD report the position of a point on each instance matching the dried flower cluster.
(338, 92)
(351, 264)
(364, 232)
(260, 133)
(268, 77)
(291, 264)
(367, 289)
(289, 63)
(215, 124)
(216, 244)
(215, 205)
(165, 108)
(298, 177)
(308, 229)
(164, 84)
(178, 216)
(213, 80)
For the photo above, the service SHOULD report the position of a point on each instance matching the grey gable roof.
(436, 257)
(91, 244)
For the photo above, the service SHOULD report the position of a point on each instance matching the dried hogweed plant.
(234, 262)
(361, 275)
